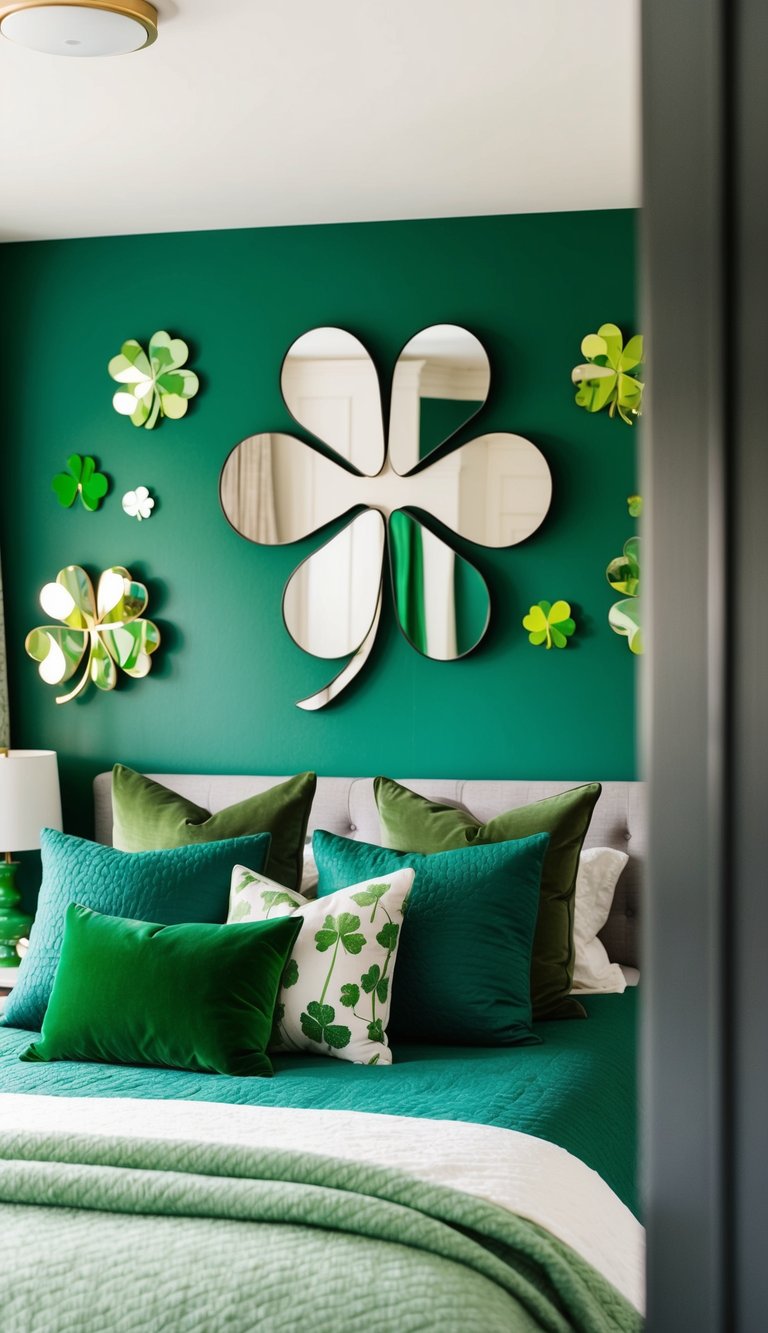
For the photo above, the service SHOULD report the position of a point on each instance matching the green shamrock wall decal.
(623, 574)
(82, 479)
(550, 624)
(107, 630)
(154, 385)
(605, 381)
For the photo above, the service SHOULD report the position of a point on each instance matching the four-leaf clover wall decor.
(107, 630)
(82, 479)
(494, 490)
(606, 381)
(154, 385)
(550, 624)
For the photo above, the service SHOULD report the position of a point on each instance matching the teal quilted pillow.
(464, 965)
(169, 887)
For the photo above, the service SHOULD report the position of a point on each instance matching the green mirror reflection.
(441, 601)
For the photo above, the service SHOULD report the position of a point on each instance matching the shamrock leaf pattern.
(336, 988)
(82, 479)
(385, 482)
(550, 624)
(107, 630)
(605, 380)
(154, 384)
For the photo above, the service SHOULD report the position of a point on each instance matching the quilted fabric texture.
(463, 973)
(230, 1237)
(170, 887)
(550, 1091)
(337, 985)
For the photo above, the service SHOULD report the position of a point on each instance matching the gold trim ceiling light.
(84, 28)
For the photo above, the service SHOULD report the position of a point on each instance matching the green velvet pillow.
(412, 823)
(464, 959)
(196, 997)
(147, 816)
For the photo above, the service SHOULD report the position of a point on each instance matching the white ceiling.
(268, 112)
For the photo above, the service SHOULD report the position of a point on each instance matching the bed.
(459, 1188)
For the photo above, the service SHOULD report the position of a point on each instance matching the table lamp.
(29, 801)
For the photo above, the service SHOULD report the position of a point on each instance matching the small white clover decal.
(138, 504)
(494, 490)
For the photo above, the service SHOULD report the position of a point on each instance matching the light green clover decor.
(154, 385)
(635, 506)
(550, 624)
(605, 381)
(623, 574)
(106, 629)
(83, 480)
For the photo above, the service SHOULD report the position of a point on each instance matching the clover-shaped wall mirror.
(494, 490)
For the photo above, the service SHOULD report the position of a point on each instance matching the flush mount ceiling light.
(86, 28)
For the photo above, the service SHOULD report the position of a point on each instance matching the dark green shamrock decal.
(317, 1024)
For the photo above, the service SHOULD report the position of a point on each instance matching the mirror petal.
(441, 381)
(166, 353)
(70, 599)
(101, 668)
(130, 646)
(441, 601)
(58, 650)
(275, 489)
(495, 491)
(330, 600)
(347, 674)
(330, 387)
(131, 365)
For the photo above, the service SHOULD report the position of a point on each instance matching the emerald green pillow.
(183, 884)
(463, 965)
(147, 816)
(196, 997)
(412, 823)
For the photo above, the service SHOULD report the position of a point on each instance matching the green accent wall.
(221, 694)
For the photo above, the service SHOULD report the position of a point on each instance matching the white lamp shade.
(29, 798)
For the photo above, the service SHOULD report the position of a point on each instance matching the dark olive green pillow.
(411, 823)
(195, 997)
(148, 817)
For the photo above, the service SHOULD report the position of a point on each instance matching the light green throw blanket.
(107, 1233)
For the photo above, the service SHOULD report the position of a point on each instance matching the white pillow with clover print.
(337, 984)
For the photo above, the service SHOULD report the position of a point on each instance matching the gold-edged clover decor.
(625, 616)
(107, 630)
(494, 490)
(154, 384)
(605, 381)
(81, 479)
(550, 623)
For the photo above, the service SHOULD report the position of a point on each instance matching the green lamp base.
(14, 925)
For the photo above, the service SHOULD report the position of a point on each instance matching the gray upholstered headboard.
(347, 806)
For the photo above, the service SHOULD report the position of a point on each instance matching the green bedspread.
(142, 1235)
(577, 1089)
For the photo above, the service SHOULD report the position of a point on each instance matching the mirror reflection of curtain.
(248, 493)
(4, 717)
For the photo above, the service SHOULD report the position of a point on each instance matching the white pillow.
(310, 874)
(337, 984)
(598, 875)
